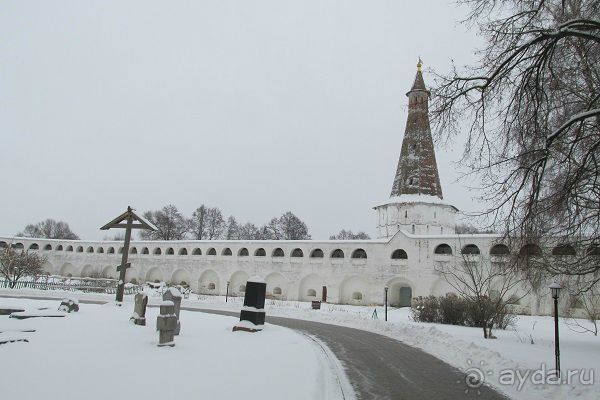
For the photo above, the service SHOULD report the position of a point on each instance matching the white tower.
(416, 203)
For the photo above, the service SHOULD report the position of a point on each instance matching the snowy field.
(525, 350)
(97, 354)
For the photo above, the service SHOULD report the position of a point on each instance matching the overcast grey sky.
(257, 107)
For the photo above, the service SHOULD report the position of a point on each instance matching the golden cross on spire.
(419, 64)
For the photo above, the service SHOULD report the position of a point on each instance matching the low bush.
(426, 309)
(505, 318)
(454, 310)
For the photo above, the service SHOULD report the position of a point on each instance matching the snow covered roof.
(416, 198)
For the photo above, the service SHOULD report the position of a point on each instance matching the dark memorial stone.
(252, 316)
(139, 310)
(174, 295)
(316, 305)
(166, 323)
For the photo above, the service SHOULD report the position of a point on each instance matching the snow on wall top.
(256, 279)
(416, 198)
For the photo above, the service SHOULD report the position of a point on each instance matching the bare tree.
(349, 235)
(207, 223)
(286, 227)
(215, 224)
(170, 224)
(488, 287)
(533, 106)
(49, 229)
(588, 303)
(249, 231)
(17, 264)
(232, 230)
(271, 231)
(266, 233)
(197, 224)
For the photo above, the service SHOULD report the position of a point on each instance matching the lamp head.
(555, 290)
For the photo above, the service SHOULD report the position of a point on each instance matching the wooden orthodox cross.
(126, 220)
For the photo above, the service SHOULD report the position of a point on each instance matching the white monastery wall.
(402, 261)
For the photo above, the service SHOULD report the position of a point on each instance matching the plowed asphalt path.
(379, 367)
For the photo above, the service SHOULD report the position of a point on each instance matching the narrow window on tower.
(413, 229)
(442, 230)
(435, 214)
(405, 213)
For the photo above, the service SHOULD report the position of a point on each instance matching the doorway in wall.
(405, 296)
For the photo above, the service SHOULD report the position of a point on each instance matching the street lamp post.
(555, 290)
(386, 292)
(227, 292)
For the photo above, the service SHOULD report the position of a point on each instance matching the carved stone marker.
(139, 310)
(174, 295)
(69, 305)
(252, 316)
(166, 323)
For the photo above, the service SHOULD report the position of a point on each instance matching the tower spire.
(417, 171)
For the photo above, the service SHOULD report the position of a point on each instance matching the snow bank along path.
(97, 354)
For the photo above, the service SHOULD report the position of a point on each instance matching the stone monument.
(139, 310)
(166, 323)
(174, 295)
(252, 316)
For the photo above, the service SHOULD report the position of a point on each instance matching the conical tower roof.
(419, 83)
(417, 172)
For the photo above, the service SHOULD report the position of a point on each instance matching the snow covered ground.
(97, 354)
(524, 352)
(496, 361)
